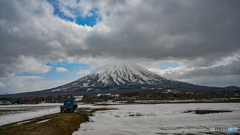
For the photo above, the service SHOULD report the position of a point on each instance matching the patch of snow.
(24, 122)
(43, 121)
(10, 118)
(89, 89)
(85, 84)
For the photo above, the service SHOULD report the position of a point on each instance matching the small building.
(78, 98)
(31, 102)
(110, 101)
(116, 96)
(129, 101)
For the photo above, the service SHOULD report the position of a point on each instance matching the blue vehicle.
(69, 106)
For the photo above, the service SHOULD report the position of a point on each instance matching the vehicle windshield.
(68, 102)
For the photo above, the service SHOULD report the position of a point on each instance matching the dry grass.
(103, 109)
(211, 111)
(207, 111)
(60, 124)
(63, 125)
(106, 104)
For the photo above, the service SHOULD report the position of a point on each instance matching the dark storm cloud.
(182, 30)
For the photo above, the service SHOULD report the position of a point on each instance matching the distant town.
(130, 97)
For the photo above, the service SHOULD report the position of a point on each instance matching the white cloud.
(84, 72)
(19, 84)
(221, 73)
(30, 65)
(61, 69)
(24, 64)
(2, 85)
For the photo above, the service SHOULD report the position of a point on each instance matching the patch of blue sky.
(71, 75)
(90, 20)
(166, 64)
(108, 14)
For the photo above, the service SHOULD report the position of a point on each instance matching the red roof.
(30, 101)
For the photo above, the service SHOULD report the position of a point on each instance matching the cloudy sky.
(47, 43)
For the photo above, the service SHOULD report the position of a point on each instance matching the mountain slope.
(122, 75)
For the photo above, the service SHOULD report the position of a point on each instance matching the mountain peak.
(126, 74)
(121, 75)
(124, 68)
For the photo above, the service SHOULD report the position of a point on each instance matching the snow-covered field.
(159, 119)
(139, 119)
(14, 113)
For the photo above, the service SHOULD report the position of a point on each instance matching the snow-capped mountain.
(121, 75)
(122, 78)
